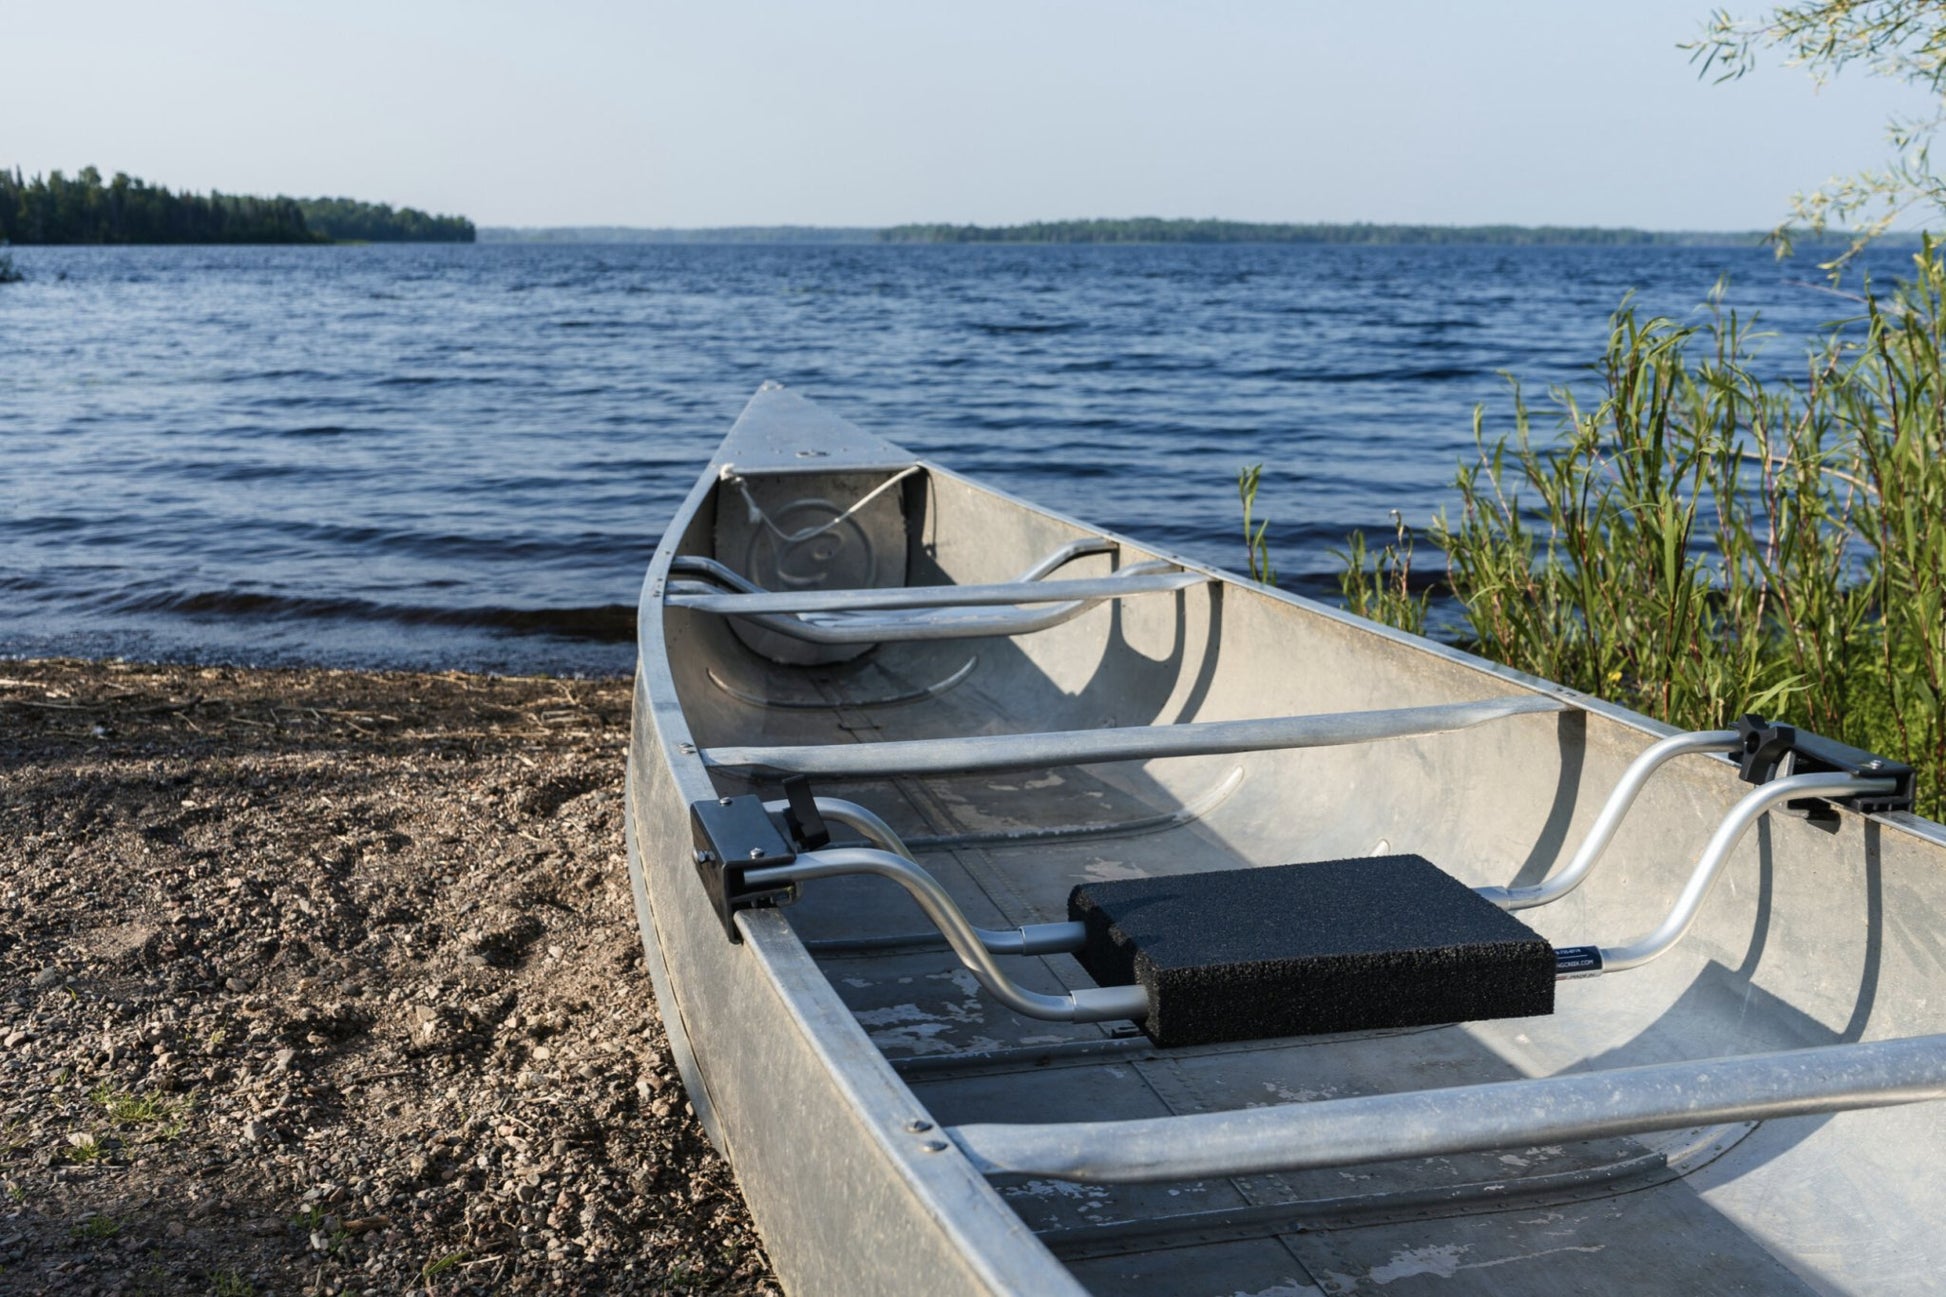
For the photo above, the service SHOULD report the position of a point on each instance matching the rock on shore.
(324, 981)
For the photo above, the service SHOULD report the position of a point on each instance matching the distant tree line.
(1151, 229)
(765, 234)
(84, 208)
(346, 220)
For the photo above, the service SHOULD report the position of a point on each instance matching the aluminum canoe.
(1033, 703)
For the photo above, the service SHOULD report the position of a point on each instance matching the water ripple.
(462, 456)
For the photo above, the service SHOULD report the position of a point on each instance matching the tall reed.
(1254, 544)
(1700, 543)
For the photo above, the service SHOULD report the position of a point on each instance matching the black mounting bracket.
(733, 835)
(807, 827)
(1768, 744)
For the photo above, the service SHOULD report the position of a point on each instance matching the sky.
(869, 112)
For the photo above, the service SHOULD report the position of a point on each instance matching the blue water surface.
(462, 456)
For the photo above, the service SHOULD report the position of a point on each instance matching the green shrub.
(1700, 543)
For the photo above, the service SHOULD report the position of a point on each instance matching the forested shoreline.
(346, 220)
(84, 208)
(1153, 229)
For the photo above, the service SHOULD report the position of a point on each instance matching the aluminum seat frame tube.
(1124, 743)
(1151, 580)
(1730, 832)
(1090, 1004)
(1552, 889)
(945, 623)
(701, 565)
(1027, 939)
(907, 627)
(1466, 1119)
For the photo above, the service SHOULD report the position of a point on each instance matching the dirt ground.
(329, 982)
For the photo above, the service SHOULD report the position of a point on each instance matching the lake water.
(462, 456)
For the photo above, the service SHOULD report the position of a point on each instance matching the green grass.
(1378, 583)
(84, 1148)
(1699, 543)
(162, 1117)
(434, 1268)
(228, 1283)
(95, 1228)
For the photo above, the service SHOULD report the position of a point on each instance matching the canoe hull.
(826, 1078)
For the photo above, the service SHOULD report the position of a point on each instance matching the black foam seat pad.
(1292, 950)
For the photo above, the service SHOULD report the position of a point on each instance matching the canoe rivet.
(918, 1125)
(935, 1146)
(722, 801)
(756, 853)
(704, 857)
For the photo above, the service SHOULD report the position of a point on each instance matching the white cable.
(729, 474)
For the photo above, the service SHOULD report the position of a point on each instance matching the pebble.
(15, 1039)
(47, 977)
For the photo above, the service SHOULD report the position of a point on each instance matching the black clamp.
(734, 835)
(1767, 745)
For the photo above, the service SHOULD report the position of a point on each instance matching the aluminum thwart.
(1127, 743)
(1425, 1123)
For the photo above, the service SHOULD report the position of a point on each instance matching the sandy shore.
(321, 981)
